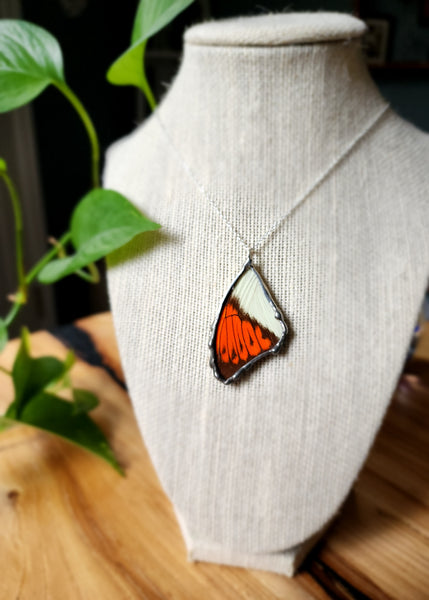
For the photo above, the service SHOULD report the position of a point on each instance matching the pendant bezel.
(213, 330)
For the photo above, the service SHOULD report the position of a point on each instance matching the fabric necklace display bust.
(259, 108)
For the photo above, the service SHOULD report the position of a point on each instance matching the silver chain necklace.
(249, 324)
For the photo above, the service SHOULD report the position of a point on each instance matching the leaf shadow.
(145, 242)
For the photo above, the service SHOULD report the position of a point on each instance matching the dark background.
(92, 33)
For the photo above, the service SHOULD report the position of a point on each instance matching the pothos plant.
(102, 221)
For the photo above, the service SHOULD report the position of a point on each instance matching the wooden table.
(72, 528)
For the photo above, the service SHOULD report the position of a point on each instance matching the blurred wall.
(18, 148)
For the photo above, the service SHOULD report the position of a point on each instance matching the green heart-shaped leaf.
(30, 60)
(83, 401)
(32, 375)
(50, 413)
(151, 17)
(3, 334)
(102, 222)
(36, 405)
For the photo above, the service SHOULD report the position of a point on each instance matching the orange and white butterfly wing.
(249, 326)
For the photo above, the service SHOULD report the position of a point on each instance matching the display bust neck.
(296, 81)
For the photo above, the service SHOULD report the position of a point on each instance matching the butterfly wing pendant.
(249, 326)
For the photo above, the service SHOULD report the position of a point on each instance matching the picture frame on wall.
(397, 35)
(376, 41)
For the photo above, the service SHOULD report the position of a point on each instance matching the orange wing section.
(238, 340)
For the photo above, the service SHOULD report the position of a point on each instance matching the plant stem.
(5, 371)
(47, 258)
(95, 152)
(95, 274)
(90, 129)
(146, 89)
(19, 242)
(17, 305)
(92, 277)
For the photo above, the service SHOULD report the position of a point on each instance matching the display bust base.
(284, 562)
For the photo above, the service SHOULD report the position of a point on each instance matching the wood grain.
(71, 528)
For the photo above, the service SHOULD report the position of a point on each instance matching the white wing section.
(254, 300)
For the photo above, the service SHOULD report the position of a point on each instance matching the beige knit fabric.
(255, 470)
(278, 30)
